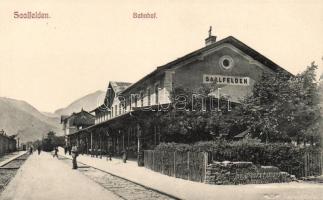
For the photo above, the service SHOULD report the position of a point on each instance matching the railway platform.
(43, 177)
(10, 156)
(183, 189)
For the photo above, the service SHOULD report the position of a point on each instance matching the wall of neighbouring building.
(7, 144)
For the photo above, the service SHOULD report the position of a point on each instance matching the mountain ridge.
(87, 102)
(19, 117)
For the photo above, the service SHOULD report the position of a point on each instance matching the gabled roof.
(101, 108)
(119, 86)
(230, 40)
(81, 118)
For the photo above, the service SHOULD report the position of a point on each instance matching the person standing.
(124, 155)
(55, 152)
(39, 149)
(110, 153)
(74, 156)
(69, 150)
(30, 150)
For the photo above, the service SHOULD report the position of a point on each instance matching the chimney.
(211, 39)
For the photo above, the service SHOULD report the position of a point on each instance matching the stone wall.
(229, 173)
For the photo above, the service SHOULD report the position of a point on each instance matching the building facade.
(228, 64)
(7, 143)
(74, 123)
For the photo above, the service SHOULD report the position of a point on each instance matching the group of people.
(68, 149)
(73, 151)
(31, 149)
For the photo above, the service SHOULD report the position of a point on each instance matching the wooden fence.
(313, 164)
(185, 165)
(192, 165)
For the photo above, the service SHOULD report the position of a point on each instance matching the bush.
(286, 157)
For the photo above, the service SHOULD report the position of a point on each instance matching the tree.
(51, 141)
(284, 108)
(321, 106)
(191, 116)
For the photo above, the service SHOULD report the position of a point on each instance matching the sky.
(85, 44)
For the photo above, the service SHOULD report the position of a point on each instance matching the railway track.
(123, 188)
(9, 170)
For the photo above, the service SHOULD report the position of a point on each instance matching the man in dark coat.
(74, 156)
(39, 149)
(55, 152)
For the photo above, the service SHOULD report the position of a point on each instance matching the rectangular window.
(148, 96)
(116, 109)
(111, 111)
(142, 99)
(136, 99)
(130, 102)
(120, 108)
(157, 94)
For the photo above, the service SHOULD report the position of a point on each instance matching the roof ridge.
(230, 39)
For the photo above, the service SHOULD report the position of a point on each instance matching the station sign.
(226, 80)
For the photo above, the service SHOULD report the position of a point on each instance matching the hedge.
(286, 157)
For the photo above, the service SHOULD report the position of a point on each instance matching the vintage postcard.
(145, 100)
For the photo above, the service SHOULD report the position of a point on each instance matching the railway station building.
(228, 63)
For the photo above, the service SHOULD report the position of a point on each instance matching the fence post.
(205, 165)
(162, 161)
(321, 163)
(175, 164)
(188, 165)
(305, 167)
(153, 160)
(320, 154)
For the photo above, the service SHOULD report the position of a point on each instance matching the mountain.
(51, 115)
(18, 116)
(88, 103)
